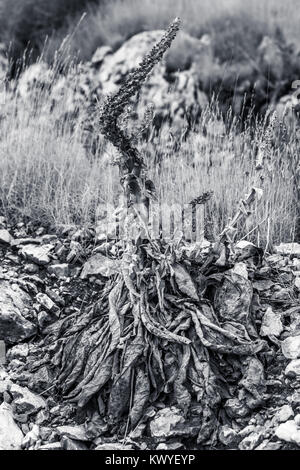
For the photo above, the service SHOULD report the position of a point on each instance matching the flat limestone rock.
(165, 422)
(77, 433)
(37, 254)
(289, 432)
(271, 324)
(100, 265)
(13, 326)
(113, 446)
(51, 446)
(5, 237)
(10, 434)
(293, 369)
(284, 414)
(59, 270)
(25, 401)
(72, 444)
(291, 347)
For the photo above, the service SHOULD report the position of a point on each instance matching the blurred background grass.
(233, 23)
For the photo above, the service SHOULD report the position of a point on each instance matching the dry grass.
(46, 174)
(226, 165)
(44, 171)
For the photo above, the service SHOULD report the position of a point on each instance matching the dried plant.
(154, 334)
(131, 162)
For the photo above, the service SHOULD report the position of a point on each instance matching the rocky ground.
(47, 277)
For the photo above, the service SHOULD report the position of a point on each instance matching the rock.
(293, 369)
(42, 418)
(297, 420)
(34, 77)
(285, 413)
(44, 319)
(100, 54)
(15, 364)
(78, 433)
(20, 351)
(169, 446)
(291, 347)
(137, 432)
(267, 445)
(37, 254)
(113, 446)
(31, 437)
(3, 220)
(41, 380)
(47, 303)
(163, 424)
(296, 264)
(19, 242)
(54, 297)
(171, 100)
(3, 374)
(100, 265)
(49, 239)
(288, 249)
(31, 268)
(271, 324)
(46, 433)
(10, 434)
(285, 110)
(5, 383)
(248, 429)
(71, 444)
(271, 58)
(59, 270)
(288, 432)
(294, 399)
(13, 326)
(51, 446)
(64, 409)
(243, 245)
(40, 231)
(25, 401)
(115, 67)
(235, 408)
(251, 441)
(76, 251)
(228, 436)
(5, 237)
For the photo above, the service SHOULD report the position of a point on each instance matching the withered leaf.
(184, 281)
(141, 396)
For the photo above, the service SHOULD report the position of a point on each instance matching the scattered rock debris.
(257, 397)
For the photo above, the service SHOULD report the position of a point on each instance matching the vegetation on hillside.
(234, 26)
(46, 172)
